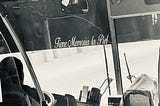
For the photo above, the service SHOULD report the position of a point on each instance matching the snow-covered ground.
(70, 70)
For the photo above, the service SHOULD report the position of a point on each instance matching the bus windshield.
(63, 41)
(69, 43)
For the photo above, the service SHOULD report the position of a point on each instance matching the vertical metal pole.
(46, 26)
(159, 78)
(106, 63)
(115, 51)
(47, 36)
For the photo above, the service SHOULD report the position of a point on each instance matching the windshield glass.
(139, 44)
(140, 28)
(64, 41)
(61, 43)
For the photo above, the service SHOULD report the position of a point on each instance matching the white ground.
(70, 70)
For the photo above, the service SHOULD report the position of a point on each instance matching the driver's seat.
(12, 93)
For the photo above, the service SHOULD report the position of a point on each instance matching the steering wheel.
(50, 100)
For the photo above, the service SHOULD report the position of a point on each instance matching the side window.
(3, 46)
(13, 70)
(9, 78)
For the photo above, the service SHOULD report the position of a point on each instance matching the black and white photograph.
(79, 52)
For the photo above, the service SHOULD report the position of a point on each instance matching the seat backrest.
(12, 93)
(137, 98)
(94, 97)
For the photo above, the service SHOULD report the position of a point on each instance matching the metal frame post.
(115, 51)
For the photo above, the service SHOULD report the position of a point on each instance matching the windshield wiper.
(129, 73)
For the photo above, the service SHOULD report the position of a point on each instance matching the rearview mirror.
(74, 6)
(151, 2)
